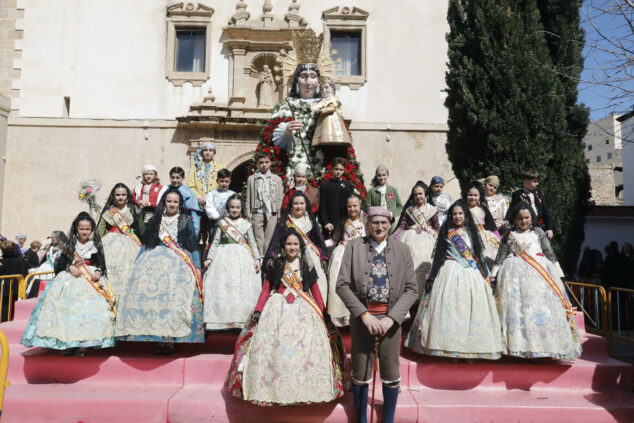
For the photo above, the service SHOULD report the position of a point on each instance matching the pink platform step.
(65, 403)
(128, 383)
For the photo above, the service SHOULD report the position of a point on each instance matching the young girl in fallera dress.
(352, 228)
(232, 282)
(120, 228)
(460, 318)
(285, 356)
(418, 228)
(536, 315)
(489, 236)
(299, 216)
(163, 300)
(76, 310)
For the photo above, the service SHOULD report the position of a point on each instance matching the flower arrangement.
(283, 163)
(87, 190)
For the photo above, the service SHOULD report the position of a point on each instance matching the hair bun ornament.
(306, 48)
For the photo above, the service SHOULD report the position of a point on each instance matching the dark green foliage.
(508, 109)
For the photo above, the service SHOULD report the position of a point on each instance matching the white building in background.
(627, 135)
(603, 152)
(99, 89)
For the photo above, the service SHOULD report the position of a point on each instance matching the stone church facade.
(99, 89)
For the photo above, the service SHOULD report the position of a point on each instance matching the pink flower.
(89, 190)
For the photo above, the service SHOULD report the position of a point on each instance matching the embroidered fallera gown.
(70, 313)
(338, 311)
(459, 318)
(490, 240)
(533, 316)
(287, 358)
(121, 250)
(421, 239)
(162, 301)
(231, 286)
(315, 254)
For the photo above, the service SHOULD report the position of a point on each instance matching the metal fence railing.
(621, 313)
(592, 301)
(4, 367)
(28, 282)
(9, 288)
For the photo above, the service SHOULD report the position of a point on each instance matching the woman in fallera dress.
(489, 236)
(163, 300)
(76, 310)
(536, 315)
(285, 356)
(418, 229)
(232, 282)
(120, 228)
(460, 318)
(299, 216)
(352, 228)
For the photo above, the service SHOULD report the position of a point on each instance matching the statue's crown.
(307, 46)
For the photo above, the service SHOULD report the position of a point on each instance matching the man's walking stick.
(376, 365)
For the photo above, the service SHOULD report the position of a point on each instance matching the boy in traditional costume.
(264, 200)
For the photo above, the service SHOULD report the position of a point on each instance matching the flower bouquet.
(87, 190)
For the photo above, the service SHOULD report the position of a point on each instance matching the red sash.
(233, 233)
(488, 235)
(80, 263)
(307, 241)
(172, 245)
(417, 216)
(520, 252)
(292, 282)
(352, 232)
(125, 229)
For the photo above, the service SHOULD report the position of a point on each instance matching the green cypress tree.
(506, 106)
(565, 39)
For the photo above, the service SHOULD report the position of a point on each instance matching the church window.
(187, 57)
(345, 28)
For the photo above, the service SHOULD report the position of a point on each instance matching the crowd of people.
(173, 263)
(294, 260)
(616, 269)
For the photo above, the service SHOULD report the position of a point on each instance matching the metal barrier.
(621, 303)
(10, 278)
(29, 279)
(4, 367)
(592, 301)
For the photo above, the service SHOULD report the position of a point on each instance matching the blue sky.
(599, 97)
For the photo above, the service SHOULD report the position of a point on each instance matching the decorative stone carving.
(345, 14)
(263, 70)
(241, 16)
(209, 98)
(293, 18)
(189, 9)
(267, 16)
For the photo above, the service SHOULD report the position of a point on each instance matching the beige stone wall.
(5, 107)
(410, 155)
(602, 184)
(10, 49)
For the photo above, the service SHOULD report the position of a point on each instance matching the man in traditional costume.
(377, 282)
